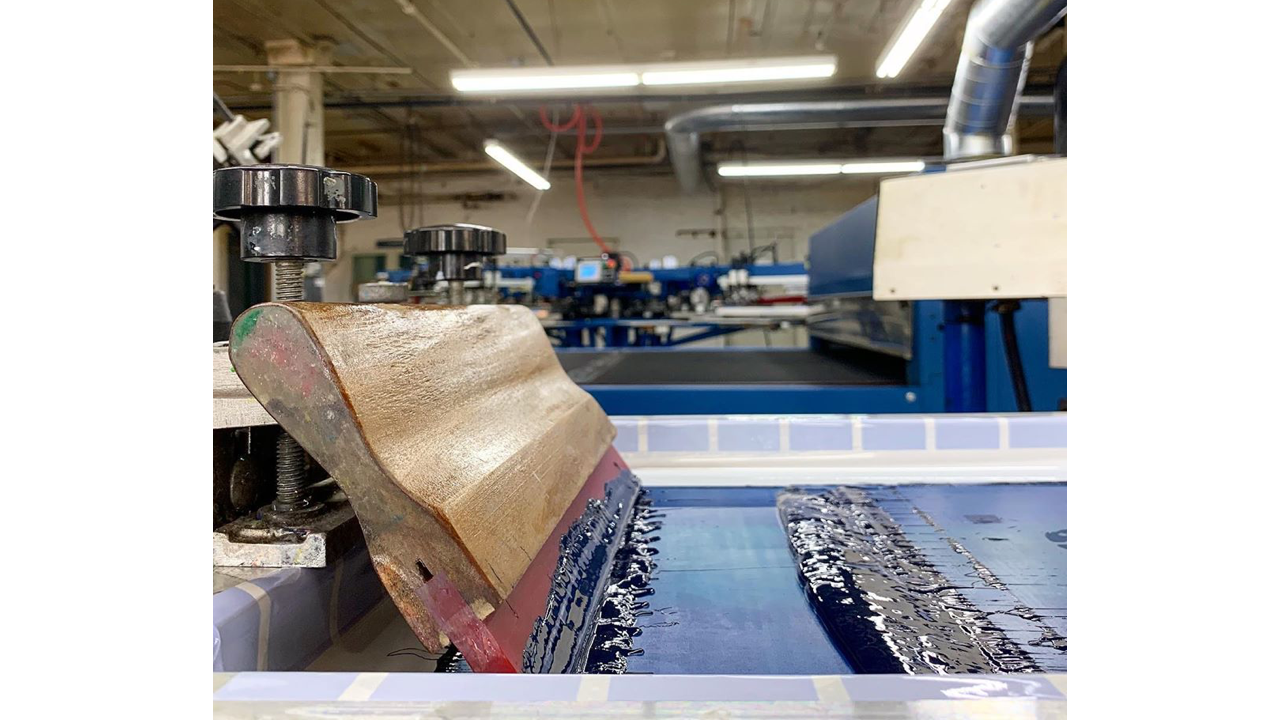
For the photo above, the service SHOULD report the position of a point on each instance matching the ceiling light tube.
(768, 169)
(817, 167)
(534, 79)
(732, 71)
(909, 37)
(881, 167)
(495, 150)
(595, 77)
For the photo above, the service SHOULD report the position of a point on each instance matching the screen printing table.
(982, 498)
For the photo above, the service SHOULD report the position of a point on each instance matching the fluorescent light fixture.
(732, 71)
(909, 37)
(533, 79)
(881, 167)
(766, 169)
(587, 77)
(801, 169)
(512, 163)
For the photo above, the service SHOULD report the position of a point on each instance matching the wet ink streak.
(883, 603)
(561, 637)
(633, 569)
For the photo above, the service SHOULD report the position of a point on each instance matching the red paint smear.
(467, 631)
(272, 345)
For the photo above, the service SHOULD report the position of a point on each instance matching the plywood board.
(991, 232)
(233, 405)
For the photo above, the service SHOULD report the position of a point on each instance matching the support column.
(299, 100)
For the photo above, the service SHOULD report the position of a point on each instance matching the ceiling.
(378, 121)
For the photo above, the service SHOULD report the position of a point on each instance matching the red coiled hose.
(579, 120)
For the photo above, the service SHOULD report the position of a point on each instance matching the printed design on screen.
(884, 604)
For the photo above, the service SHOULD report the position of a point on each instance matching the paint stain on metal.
(335, 191)
(246, 324)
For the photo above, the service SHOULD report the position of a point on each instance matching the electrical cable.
(709, 253)
(771, 248)
(546, 173)
(1013, 356)
(411, 154)
(221, 108)
(746, 196)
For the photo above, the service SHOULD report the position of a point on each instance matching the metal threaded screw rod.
(288, 282)
(291, 476)
(291, 464)
(457, 293)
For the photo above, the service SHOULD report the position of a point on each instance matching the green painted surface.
(244, 326)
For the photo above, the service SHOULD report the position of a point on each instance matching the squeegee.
(485, 481)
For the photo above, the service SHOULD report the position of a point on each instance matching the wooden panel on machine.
(454, 431)
(973, 233)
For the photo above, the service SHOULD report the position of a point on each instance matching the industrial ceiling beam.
(349, 69)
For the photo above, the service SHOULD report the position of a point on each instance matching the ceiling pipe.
(383, 99)
(994, 60)
(684, 131)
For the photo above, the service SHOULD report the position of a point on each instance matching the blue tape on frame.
(834, 433)
(628, 438)
(821, 434)
(671, 435)
(300, 602)
(1048, 431)
(905, 688)
(295, 686)
(442, 687)
(750, 435)
(236, 619)
(711, 688)
(967, 433)
(884, 433)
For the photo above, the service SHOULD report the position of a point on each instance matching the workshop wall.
(647, 215)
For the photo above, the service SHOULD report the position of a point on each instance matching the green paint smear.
(245, 325)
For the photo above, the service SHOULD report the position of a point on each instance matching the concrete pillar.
(299, 100)
(221, 271)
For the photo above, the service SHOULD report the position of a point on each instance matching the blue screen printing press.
(884, 530)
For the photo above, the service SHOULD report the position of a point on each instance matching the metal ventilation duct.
(684, 130)
(993, 67)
